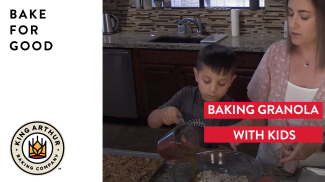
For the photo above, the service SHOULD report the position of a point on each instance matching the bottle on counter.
(138, 4)
(147, 5)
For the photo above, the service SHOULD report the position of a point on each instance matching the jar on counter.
(167, 4)
(147, 5)
(158, 4)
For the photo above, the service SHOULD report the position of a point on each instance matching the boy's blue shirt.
(190, 103)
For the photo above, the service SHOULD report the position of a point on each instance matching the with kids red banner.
(263, 110)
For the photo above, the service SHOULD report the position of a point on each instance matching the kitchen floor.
(136, 135)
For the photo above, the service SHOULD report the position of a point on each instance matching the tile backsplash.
(268, 20)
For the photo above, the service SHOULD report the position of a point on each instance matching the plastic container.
(180, 144)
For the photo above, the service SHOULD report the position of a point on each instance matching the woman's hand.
(301, 152)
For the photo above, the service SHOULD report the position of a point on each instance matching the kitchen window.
(211, 3)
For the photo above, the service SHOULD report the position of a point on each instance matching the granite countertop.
(162, 175)
(277, 174)
(245, 43)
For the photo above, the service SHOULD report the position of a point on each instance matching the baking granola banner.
(263, 110)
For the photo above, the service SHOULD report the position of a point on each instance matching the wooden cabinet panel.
(139, 83)
(248, 60)
(169, 57)
(160, 85)
(186, 77)
(238, 89)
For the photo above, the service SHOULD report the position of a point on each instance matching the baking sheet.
(107, 151)
(306, 175)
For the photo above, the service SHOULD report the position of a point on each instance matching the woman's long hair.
(319, 6)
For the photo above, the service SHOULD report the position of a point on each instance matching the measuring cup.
(180, 144)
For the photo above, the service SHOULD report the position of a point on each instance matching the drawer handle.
(175, 58)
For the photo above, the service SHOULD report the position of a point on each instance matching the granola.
(212, 176)
(118, 168)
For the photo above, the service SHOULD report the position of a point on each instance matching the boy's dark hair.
(218, 58)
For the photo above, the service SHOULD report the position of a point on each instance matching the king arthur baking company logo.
(37, 148)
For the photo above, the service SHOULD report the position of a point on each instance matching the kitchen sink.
(168, 39)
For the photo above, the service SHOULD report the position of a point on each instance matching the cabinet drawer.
(169, 57)
(248, 59)
(244, 73)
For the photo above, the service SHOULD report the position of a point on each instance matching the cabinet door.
(238, 89)
(160, 85)
(248, 60)
(186, 77)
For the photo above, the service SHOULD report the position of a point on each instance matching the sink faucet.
(196, 21)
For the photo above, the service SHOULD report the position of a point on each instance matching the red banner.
(263, 110)
(265, 134)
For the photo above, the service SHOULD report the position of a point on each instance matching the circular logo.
(37, 148)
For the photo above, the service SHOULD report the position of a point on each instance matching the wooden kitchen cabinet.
(159, 85)
(170, 57)
(186, 77)
(159, 74)
(238, 89)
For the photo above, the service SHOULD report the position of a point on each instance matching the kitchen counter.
(277, 174)
(245, 43)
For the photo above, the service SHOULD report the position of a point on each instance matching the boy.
(214, 73)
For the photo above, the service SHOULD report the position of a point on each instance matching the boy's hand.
(170, 116)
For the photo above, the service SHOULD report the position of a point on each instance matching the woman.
(293, 70)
